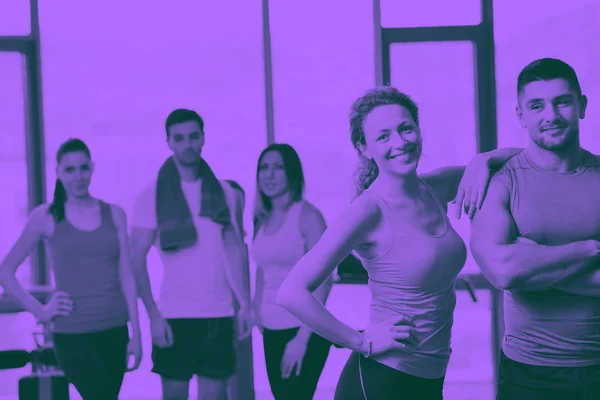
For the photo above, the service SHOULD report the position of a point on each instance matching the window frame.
(29, 47)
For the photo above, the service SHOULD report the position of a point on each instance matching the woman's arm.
(447, 180)
(296, 292)
(128, 285)
(312, 227)
(34, 231)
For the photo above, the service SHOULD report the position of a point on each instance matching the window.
(14, 18)
(316, 77)
(13, 203)
(13, 164)
(429, 13)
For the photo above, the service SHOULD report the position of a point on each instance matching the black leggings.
(383, 383)
(94, 362)
(301, 387)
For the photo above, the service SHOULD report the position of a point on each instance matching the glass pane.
(313, 99)
(531, 34)
(470, 374)
(15, 17)
(13, 164)
(207, 56)
(410, 14)
(445, 93)
(13, 203)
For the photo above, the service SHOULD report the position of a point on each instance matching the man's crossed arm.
(512, 264)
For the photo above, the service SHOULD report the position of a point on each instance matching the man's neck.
(557, 161)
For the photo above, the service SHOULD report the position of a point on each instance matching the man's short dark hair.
(546, 69)
(183, 115)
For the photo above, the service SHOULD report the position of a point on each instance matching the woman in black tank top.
(95, 292)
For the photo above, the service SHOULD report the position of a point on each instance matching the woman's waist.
(415, 303)
(98, 304)
(432, 327)
(91, 292)
(95, 312)
(83, 323)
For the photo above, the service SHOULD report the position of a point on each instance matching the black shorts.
(201, 346)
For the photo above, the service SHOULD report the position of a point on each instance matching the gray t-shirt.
(551, 327)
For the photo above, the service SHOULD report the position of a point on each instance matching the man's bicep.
(493, 224)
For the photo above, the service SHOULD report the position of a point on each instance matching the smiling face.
(75, 170)
(550, 110)
(392, 140)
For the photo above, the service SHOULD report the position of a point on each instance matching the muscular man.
(536, 238)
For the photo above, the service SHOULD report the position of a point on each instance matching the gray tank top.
(415, 275)
(552, 328)
(86, 266)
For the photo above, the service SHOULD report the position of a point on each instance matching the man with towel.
(193, 219)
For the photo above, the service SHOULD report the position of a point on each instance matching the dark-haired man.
(536, 238)
(194, 220)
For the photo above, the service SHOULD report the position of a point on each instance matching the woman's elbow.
(287, 295)
(5, 277)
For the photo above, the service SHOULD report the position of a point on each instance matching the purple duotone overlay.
(111, 71)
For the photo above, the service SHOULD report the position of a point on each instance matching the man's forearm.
(238, 282)
(240, 289)
(144, 289)
(533, 267)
